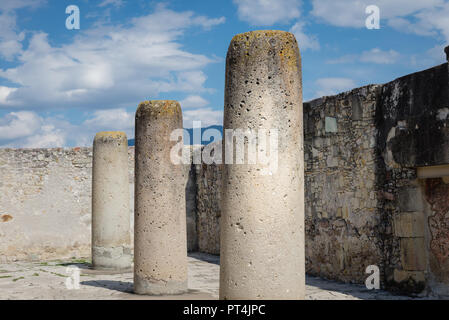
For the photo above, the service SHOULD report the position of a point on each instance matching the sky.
(58, 87)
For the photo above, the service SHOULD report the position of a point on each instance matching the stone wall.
(45, 203)
(343, 221)
(376, 183)
(413, 134)
(365, 202)
(209, 179)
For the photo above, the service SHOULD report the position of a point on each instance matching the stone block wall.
(209, 183)
(376, 189)
(343, 220)
(413, 134)
(45, 203)
(364, 202)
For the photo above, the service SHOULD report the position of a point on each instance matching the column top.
(262, 44)
(256, 34)
(161, 107)
(111, 136)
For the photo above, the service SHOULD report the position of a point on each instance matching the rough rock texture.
(262, 216)
(413, 132)
(111, 238)
(209, 179)
(45, 203)
(364, 202)
(343, 222)
(160, 240)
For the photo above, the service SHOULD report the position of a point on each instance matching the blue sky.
(58, 87)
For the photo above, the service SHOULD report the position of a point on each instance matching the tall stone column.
(262, 226)
(160, 241)
(111, 238)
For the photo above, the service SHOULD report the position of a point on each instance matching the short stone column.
(111, 237)
(262, 226)
(160, 241)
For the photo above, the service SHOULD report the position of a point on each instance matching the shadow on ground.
(205, 257)
(121, 286)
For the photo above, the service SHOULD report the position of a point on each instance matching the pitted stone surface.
(160, 242)
(262, 218)
(111, 239)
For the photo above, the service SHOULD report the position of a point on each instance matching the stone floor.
(47, 280)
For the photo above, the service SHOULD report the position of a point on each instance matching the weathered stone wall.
(45, 203)
(209, 182)
(413, 133)
(365, 204)
(343, 222)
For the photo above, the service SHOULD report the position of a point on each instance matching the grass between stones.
(19, 278)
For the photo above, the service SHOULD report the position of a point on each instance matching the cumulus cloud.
(103, 120)
(305, 41)
(380, 57)
(207, 116)
(10, 37)
(29, 130)
(374, 55)
(114, 66)
(331, 86)
(194, 101)
(267, 12)
(416, 16)
(115, 3)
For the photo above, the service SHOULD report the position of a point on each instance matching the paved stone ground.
(46, 280)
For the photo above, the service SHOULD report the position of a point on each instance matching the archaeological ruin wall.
(45, 203)
(376, 189)
(376, 184)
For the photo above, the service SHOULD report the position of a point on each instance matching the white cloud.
(351, 13)
(416, 16)
(193, 101)
(19, 124)
(106, 120)
(4, 94)
(115, 3)
(207, 116)
(48, 137)
(115, 66)
(305, 41)
(26, 129)
(380, 57)
(374, 55)
(331, 86)
(10, 37)
(267, 12)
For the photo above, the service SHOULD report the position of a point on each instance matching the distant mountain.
(189, 139)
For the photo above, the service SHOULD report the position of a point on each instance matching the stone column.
(111, 241)
(262, 226)
(160, 241)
